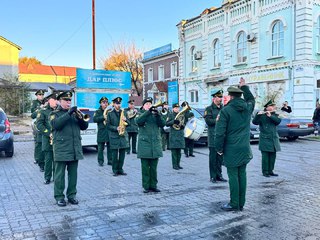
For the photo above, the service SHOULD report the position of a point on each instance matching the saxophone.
(122, 123)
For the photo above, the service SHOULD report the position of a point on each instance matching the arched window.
(318, 35)
(216, 53)
(194, 65)
(277, 39)
(241, 48)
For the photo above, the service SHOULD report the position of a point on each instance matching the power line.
(67, 40)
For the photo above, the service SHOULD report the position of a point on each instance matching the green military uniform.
(38, 154)
(149, 146)
(176, 140)
(102, 137)
(44, 128)
(132, 130)
(118, 144)
(215, 160)
(233, 140)
(67, 149)
(189, 143)
(269, 142)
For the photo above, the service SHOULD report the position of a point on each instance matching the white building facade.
(273, 44)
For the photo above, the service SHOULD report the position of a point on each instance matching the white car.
(89, 136)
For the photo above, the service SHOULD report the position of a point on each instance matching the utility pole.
(93, 37)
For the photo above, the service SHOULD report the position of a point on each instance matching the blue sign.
(103, 79)
(157, 52)
(173, 95)
(91, 100)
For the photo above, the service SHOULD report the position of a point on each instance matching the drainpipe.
(293, 58)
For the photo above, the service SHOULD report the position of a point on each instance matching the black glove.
(176, 121)
(181, 127)
(72, 110)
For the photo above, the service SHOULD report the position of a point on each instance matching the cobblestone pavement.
(188, 207)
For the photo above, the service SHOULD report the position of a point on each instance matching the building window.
(277, 39)
(194, 64)
(241, 48)
(150, 75)
(174, 70)
(194, 96)
(216, 53)
(163, 96)
(161, 72)
(318, 34)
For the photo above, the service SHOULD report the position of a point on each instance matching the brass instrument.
(51, 139)
(122, 124)
(180, 117)
(164, 111)
(158, 104)
(105, 113)
(82, 116)
(132, 113)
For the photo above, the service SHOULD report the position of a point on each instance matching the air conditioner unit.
(198, 55)
(251, 37)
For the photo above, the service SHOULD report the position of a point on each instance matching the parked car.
(89, 136)
(6, 135)
(292, 127)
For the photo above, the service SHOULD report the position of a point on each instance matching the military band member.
(232, 140)
(269, 143)
(66, 123)
(188, 150)
(103, 136)
(176, 136)
(149, 121)
(165, 133)
(44, 128)
(132, 128)
(210, 116)
(118, 136)
(37, 105)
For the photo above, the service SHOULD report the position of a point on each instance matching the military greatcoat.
(116, 141)
(269, 138)
(210, 116)
(66, 135)
(176, 137)
(98, 118)
(149, 140)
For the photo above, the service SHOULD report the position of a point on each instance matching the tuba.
(132, 113)
(180, 117)
(122, 124)
(105, 113)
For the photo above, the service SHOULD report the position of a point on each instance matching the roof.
(47, 70)
(162, 86)
(45, 86)
(11, 43)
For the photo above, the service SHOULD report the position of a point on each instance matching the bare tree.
(126, 57)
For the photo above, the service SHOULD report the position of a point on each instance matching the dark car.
(6, 135)
(292, 127)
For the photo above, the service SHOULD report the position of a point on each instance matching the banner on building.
(265, 76)
(173, 94)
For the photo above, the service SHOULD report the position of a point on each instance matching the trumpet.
(82, 116)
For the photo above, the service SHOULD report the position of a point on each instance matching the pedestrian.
(37, 105)
(66, 123)
(210, 115)
(286, 107)
(132, 128)
(316, 118)
(165, 111)
(44, 127)
(150, 122)
(232, 140)
(118, 136)
(269, 143)
(189, 143)
(176, 136)
(100, 117)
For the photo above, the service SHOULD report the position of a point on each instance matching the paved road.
(284, 207)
